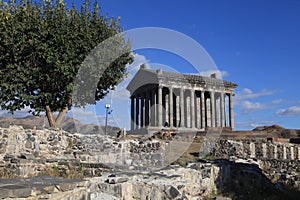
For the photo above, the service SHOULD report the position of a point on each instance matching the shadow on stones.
(247, 181)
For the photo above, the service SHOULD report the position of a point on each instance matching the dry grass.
(64, 171)
(7, 173)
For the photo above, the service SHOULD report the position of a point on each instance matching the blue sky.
(255, 44)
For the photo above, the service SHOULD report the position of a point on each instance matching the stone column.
(171, 118)
(217, 114)
(165, 109)
(192, 108)
(132, 121)
(213, 111)
(142, 124)
(182, 121)
(177, 110)
(153, 108)
(198, 112)
(159, 104)
(222, 107)
(147, 108)
(252, 149)
(137, 112)
(292, 153)
(275, 151)
(231, 113)
(202, 110)
(264, 149)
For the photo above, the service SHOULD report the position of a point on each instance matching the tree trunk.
(60, 116)
(62, 113)
(50, 116)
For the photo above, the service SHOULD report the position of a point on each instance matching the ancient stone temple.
(185, 102)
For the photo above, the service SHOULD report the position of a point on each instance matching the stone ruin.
(139, 168)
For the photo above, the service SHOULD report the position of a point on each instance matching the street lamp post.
(107, 106)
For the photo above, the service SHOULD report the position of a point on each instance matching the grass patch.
(70, 144)
(64, 171)
(7, 173)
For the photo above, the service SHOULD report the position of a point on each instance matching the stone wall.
(131, 154)
(279, 161)
(254, 149)
(28, 151)
(285, 172)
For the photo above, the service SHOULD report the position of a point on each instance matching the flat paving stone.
(23, 188)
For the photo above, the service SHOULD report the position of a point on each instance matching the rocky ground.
(202, 180)
(56, 164)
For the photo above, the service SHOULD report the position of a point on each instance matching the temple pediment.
(142, 77)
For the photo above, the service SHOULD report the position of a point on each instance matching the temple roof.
(147, 76)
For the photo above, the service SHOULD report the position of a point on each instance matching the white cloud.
(243, 97)
(84, 115)
(277, 101)
(291, 111)
(120, 93)
(220, 74)
(246, 93)
(248, 106)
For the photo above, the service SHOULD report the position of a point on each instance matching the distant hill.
(278, 131)
(68, 124)
(74, 126)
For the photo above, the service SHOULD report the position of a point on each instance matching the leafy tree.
(42, 48)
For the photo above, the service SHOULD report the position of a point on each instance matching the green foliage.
(43, 46)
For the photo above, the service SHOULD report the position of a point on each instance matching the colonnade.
(194, 108)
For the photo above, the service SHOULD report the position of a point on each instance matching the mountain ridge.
(68, 124)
